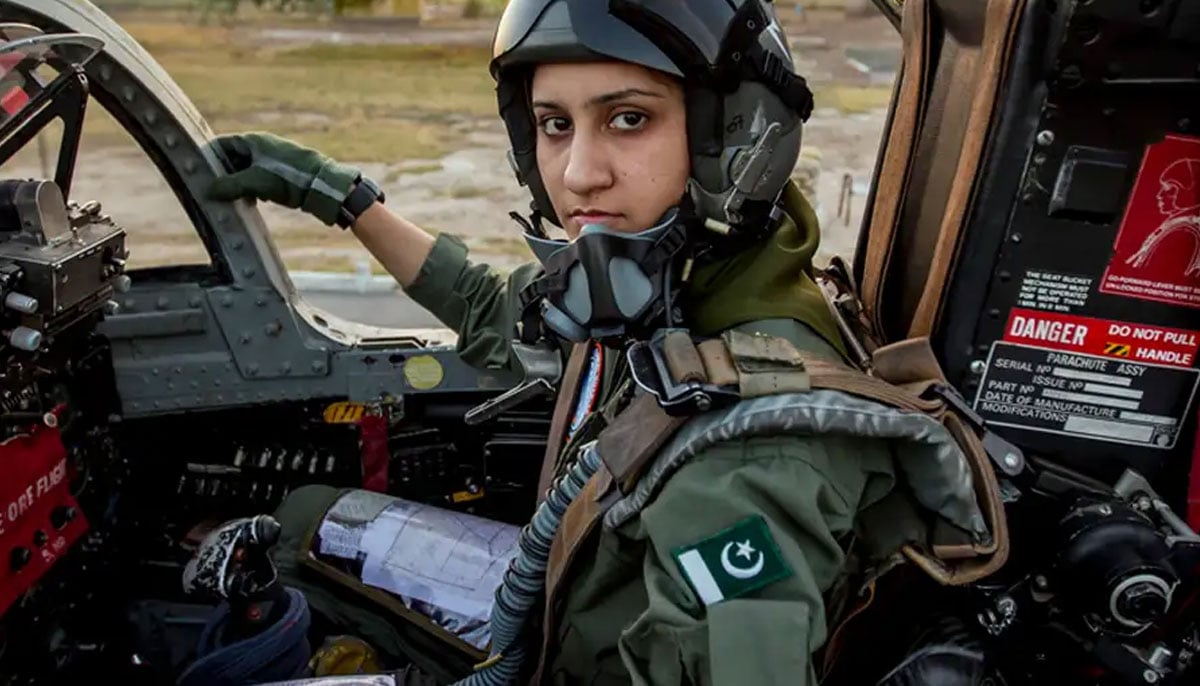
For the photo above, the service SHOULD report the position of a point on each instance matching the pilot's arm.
(474, 300)
(783, 503)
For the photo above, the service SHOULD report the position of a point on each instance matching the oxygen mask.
(606, 284)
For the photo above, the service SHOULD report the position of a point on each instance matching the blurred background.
(401, 88)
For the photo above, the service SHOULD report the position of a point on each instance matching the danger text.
(1051, 331)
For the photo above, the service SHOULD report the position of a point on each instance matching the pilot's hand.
(264, 166)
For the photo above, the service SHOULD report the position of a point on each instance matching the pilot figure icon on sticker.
(1157, 252)
(1179, 201)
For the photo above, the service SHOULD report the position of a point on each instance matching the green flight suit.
(630, 615)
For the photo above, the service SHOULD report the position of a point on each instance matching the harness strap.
(571, 380)
(767, 365)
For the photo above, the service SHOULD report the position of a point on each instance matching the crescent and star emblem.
(744, 549)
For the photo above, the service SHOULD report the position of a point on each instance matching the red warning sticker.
(1157, 252)
(1106, 337)
(13, 101)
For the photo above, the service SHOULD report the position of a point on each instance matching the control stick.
(259, 632)
(232, 564)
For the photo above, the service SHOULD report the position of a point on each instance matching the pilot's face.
(611, 143)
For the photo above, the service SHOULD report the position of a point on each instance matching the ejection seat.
(1030, 213)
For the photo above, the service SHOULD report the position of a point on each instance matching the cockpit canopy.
(32, 64)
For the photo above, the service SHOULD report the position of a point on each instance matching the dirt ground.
(470, 191)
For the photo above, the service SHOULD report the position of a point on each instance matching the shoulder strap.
(765, 365)
(571, 380)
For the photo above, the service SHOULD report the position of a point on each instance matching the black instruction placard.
(1085, 396)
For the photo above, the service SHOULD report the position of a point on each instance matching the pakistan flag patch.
(733, 562)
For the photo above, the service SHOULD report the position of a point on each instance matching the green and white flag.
(733, 562)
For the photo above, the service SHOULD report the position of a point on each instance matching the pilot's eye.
(555, 126)
(629, 121)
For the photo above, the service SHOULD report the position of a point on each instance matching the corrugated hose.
(525, 577)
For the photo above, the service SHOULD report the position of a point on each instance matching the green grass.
(354, 102)
(483, 8)
(112, 5)
(394, 174)
(364, 103)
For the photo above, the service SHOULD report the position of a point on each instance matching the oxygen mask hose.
(525, 578)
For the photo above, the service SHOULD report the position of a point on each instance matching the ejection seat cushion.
(340, 598)
(956, 55)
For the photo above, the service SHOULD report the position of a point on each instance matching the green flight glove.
(264, 166)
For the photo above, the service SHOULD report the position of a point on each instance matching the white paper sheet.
(452, 560)
(340, 540)
(443, 564)
(360, 507)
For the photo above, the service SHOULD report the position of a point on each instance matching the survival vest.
(697, 392)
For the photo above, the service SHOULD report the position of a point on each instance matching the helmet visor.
(518, 18)
(542, 30)
(690, 33)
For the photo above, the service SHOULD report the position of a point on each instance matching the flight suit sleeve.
(807, 491)
(473, 299)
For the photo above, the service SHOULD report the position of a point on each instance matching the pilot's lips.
(594, 216)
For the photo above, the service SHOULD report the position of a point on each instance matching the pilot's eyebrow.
(602, 99)
(621, 94)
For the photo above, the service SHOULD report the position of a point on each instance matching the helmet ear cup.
(751, 151)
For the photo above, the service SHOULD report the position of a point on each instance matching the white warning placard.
(1085, 396)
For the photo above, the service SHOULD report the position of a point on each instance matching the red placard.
(374, 433)
(1106, 337)
(1157, 252)
(39, 518)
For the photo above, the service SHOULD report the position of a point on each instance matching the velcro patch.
(733, 562)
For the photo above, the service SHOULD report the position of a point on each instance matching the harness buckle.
(1009, 458)
(651, 372)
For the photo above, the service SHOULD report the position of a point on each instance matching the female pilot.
(623, 140)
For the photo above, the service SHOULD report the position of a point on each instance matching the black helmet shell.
(744, 138)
